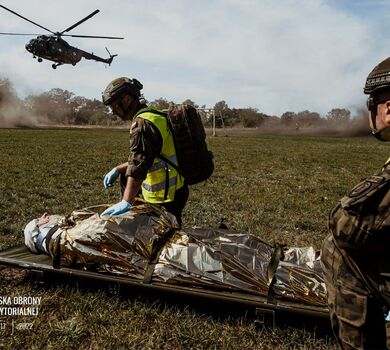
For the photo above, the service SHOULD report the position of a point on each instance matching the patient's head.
(38, 226)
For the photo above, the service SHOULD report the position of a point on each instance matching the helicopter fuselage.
(54, 49)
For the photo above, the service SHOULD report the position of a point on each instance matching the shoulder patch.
(364, 186)
(360, 188)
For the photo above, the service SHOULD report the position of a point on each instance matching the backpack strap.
(152, 110)
(166, 160)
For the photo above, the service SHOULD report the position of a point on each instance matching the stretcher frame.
(266, 309)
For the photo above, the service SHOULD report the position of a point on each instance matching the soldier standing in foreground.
(150, 137)
(355, 255)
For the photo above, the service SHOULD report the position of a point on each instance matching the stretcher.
(266, 308)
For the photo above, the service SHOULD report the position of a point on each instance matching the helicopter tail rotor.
(109, 60)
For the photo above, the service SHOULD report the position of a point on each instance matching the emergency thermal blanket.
(146, 244)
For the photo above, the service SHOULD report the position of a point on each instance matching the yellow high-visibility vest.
(162, 180)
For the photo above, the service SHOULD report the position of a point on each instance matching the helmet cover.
(120, 86)
(379, 78)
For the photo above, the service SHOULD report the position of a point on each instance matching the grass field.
(279, 188)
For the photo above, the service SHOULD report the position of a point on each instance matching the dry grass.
(280, 188)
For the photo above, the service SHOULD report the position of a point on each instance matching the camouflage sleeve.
(145, 146)
(361, 221)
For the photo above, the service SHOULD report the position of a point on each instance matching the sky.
(276, 56)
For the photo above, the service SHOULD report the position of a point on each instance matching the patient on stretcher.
(146, 243)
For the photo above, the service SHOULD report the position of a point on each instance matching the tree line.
(58, 106)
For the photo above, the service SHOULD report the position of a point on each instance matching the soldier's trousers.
(357, 318)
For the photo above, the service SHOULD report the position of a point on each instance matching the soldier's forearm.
(122, 167)
(132, 188)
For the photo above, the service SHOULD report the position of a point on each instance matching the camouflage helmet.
(121, 86)
(379, 78)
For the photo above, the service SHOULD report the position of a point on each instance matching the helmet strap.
(372, 107)
(127, 110)
(384, 134)
(373, 118)
(132, 108)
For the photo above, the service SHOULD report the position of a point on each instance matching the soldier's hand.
(117, 209)
(110, 177)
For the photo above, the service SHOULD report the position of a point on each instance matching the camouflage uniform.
(356, 264)
(145, 145)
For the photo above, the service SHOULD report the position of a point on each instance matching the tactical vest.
(162, 180)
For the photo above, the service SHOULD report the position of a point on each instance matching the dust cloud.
(54, 109)
(357, 125)
(13, 112)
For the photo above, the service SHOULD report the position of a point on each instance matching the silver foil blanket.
(216, 259)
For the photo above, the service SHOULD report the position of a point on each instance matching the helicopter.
(54, 48)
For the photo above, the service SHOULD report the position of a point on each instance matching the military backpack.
(196, 162)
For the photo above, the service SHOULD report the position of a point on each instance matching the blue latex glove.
(110, 178)
(116, 209)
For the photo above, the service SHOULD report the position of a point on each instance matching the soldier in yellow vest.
(146, 174)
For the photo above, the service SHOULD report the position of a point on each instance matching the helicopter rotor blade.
(79, 22)
(20, 34)
(17, 14)
(93, 36)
